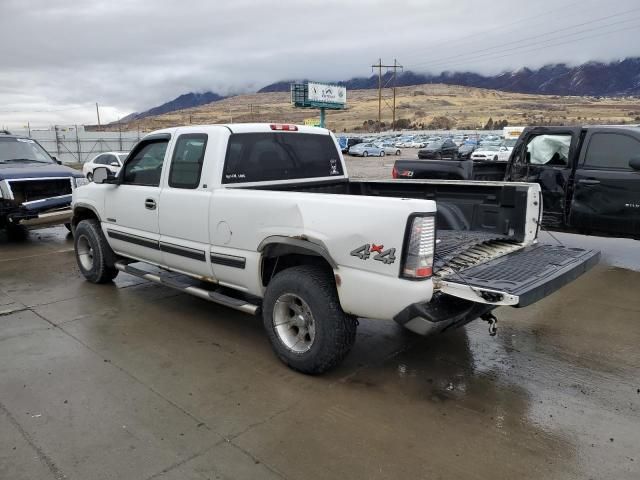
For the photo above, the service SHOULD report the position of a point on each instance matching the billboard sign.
(320, 92)
(312, 122)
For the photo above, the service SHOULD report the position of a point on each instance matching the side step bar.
(212, 296)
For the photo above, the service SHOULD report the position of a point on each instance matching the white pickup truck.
(264, 219)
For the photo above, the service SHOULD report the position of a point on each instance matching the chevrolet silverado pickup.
(263, 218)
(35, 191)
(590, 176)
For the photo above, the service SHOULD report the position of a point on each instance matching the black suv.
(35, 189)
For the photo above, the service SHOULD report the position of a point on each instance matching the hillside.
(592, 78)
(464, 107)
(188, 100)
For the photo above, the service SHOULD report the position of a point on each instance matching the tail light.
(394, 172)
(284, 127)
(417, 260)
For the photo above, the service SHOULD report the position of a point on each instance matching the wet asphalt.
(136, 381)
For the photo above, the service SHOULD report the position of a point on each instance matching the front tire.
(365, 154)
(382, 153)
(306, 325)
(397, 152)
(93, 254)
(90, 176)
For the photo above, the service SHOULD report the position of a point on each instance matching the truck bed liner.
(451, 243)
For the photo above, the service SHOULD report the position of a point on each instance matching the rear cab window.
(273, 156)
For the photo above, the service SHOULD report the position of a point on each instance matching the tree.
(441, 123)
(489, 124)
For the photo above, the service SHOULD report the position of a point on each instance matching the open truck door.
(547, 157)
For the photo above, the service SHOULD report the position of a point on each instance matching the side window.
(108, 159)
(611, 150)
(99, 160)
(551, 150)
(145, 167)
(186, 164)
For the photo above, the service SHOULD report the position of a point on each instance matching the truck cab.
(589, 176)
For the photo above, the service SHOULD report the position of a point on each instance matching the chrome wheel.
(85, 253)
(294, 323)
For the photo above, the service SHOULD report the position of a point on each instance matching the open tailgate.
(522, 277)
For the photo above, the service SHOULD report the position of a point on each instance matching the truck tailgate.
(530, 274)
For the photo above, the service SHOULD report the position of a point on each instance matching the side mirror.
(114, 164)
(503, 149)
(103, 175)
(57, 161)
(635, 162)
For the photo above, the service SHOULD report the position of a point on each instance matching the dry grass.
(466, 107)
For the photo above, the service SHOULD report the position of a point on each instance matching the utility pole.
(395, 68)
(98, 113)
(380, 66)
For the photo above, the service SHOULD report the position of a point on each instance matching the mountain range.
(618, 78)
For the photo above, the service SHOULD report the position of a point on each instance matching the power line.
(496, 56)
(395, 67)
(447, 60)
(500, 28)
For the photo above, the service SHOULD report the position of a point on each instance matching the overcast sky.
(57, 58)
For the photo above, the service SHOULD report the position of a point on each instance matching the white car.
(111, 160)
(263, 218)
(489, 152)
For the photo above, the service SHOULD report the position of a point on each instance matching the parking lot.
(135, 381)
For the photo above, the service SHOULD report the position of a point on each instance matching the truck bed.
(494, 208)
(451, 169)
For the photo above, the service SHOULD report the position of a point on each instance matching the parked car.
(267, 222)
(35, 189)
(466, 149)
(439, 149)
(112, 160)
(389, 148)
(590, 176)
(366, 150)
(488, 152)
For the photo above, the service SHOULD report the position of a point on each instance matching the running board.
(212, 296)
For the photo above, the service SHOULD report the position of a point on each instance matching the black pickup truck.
(590, 176)
(35, 190)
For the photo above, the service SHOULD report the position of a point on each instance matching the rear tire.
(397, 152)
(365, 154)
(305, 323)
(382, 153)
(93, 254)
(438, 156)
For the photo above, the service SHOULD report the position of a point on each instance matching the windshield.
(436, 144)
(22, 150)
(258, 157)
(490, 148)
(122, 157)
(510, 142)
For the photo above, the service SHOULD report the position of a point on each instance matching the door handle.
(150, 204)
(589, 181)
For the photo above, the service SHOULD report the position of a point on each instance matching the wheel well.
(82, 213)
(279, 257)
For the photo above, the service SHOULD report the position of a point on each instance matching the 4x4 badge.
(385, 256)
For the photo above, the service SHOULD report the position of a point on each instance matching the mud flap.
(520, 278)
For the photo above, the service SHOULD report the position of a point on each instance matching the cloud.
(59, 58)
